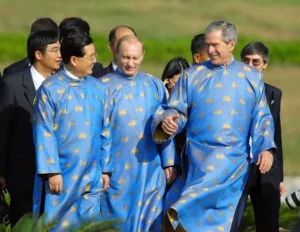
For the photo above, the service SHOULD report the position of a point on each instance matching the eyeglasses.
(255, 62)
(91, 58)
(54, 50)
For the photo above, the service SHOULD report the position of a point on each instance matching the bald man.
(141, 167)
(114, 36)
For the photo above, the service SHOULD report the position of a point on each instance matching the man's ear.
(74, 61)
(110, 47)
(38, 55)
(196, 58)
(232, 44)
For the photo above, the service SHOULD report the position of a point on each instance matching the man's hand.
(106, 182)
(282, 188)
(56, 184)
(171, 173)
(2, 183)
(265, 161)
(169, 125)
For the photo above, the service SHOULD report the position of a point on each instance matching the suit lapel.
(29, 86)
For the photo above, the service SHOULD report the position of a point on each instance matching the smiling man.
(220, 103)
(141, 168)
(72, 138)
(17, 156)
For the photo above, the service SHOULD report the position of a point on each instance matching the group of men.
(80, 142)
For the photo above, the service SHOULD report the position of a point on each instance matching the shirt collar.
(37, 77)
(114, 65)
(70, 74)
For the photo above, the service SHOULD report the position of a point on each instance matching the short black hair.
(74, 46)
(112, 33)
(73, 25)
(198, 43)
(256, 48)
(174, 66)
(43, 24)
(38, 41)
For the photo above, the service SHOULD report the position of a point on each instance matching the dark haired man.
(75, 25)
(17, 156)
(198, 49)
(72, 137)
(266, 189)
(41, 24)
(114, 36)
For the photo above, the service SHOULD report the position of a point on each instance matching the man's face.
(255, 61)
(119, 34)
(51, 57)
(130, 57)
(86, 63)
(218, 51)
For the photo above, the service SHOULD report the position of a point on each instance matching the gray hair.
(228, 29)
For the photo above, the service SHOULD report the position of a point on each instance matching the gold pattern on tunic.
(121, 180)
(241, 75)
(73, 84)
(128, 96)
(201, 115)
(141, 135)
(210, 218)
(156, 97)
(78, 108)
(268, 123)
(72, 124)
(122, 112)
(195, 82)
(211, 167)
(186, 75)
(63, 111)
(132, 123)
(266, 133)
(139, 109)
(242, 101)
(201, 67)
(55, 127)
(247, 68)
(234, 85)
(48, 84)
(73, 209)
(50, 161)
(225, 72)
(261, 113)
(221, 228)
(105, 79)
(54, 203)
(68, 165)
(75, 151)
(210, 127)
(44, 98)
(234, 139)
(234, 112)
(192, 194)
(170, 161)
(226, 99)
(75, 177)
(218, 112)
(182, 201)
(83, 162)
(82, 135)
(125, 207)
(60, 91)
(231, 220)
(117, 154)
(226, 126)
(125, 139)
(87, 188)
(231, 206)
(132, 83)
(209, 74)
(65, 223)
(220, 156)
(106, 133)
(232, 176)
(254, 84)
(201, 88)
(127, 166)
(209, 100)
(218, 85)
(142, 217)
(262, 104)
(60, 78)
(88, 122)
(249, 90)
(219, 138)
(44, 114)
(41, 147)
(47, 134)
(86, 197)
(146, 84)
(82, 95)
(175, 103)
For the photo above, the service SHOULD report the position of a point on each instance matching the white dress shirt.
(36, 77)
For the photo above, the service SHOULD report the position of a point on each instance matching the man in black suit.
(37, 25)
(114, 35)
(72, 26)
(266, 189)
(17, 91)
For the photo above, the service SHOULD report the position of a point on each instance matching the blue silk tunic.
(221, 107)
(72, 138)
(138, 183)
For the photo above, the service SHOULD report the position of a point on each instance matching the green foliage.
(158, 50)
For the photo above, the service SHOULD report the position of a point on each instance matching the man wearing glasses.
(72, 139)
(267, 188)
(17, 156)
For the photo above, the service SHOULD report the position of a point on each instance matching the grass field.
(167, 28)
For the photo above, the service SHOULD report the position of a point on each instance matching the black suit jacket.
(269, 182)
(16, 67)
(97, 70)
(17, 153)
(106, 70)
